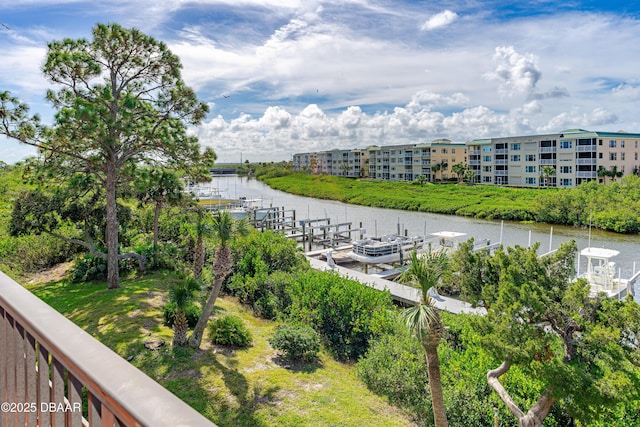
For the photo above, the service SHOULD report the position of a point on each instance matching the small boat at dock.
(385, 249)
(602, 274)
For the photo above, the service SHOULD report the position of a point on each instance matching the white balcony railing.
(47, 364)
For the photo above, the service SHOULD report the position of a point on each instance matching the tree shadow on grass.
(298, 366)
(249, 398)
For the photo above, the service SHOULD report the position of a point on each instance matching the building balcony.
(500, 162)
(548, 149)
(547, 162)
(502, 151)
(586, 161)
(586, 174)
(583, 148)
(56, 372)
(501, 173)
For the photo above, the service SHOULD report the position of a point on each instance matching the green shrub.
(192, 311)
(229, 330)
(394, 366)
(296, 342)
(88, 267)
(345, 312)
(265, 294)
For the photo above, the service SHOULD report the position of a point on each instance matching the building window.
(566, 169)
(453, 151)
(530, 158)
(613, 156)
(600, 155)
(515, 157)
(486, 169)
(515, 147)
(443, 151)
(636, 156)
(486, 148)
(566, 144)
(566, 182)
(622, 156)
(530, 169)
(530, 181)
(612, 143)
(622, 144)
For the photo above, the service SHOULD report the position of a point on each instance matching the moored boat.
(385, 249)
(602, 274)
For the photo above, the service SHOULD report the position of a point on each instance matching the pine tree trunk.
(113, 274)
(435, 383)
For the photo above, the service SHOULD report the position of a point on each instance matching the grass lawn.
(232, 387)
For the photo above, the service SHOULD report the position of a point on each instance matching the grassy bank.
(480, 201)
(232, 387)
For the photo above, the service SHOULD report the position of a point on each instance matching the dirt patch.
(52, 274)
(189, 373)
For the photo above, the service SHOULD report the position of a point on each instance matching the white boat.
(382, 250)
(602, 276)
(242, 208)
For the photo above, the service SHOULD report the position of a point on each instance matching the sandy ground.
(52, 274)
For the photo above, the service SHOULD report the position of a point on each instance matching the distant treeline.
(612, 207)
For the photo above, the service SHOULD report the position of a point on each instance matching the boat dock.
(402, 293)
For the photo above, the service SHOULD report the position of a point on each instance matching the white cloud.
(578, 119)
(439, 20)
(323, 74)
(626, 91)
(517, 74)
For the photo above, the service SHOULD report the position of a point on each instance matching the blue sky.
(288, 76)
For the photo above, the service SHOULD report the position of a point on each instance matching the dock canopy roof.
(599, 253)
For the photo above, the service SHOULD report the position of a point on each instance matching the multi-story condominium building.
(564, 159)
(407, 162)
(350, 163)
(445, 154)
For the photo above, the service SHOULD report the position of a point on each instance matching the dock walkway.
(402, 293)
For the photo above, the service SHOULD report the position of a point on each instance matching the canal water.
(379, 221)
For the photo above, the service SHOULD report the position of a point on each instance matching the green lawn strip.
(230, 386)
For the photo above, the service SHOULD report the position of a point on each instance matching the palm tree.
(160, 187)
(434, 170)
(615, 173)
(547, 171)
(226, 229)
(459, 169)
(345, 169)
(181, 295)
(424, 320)
(603, 173)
